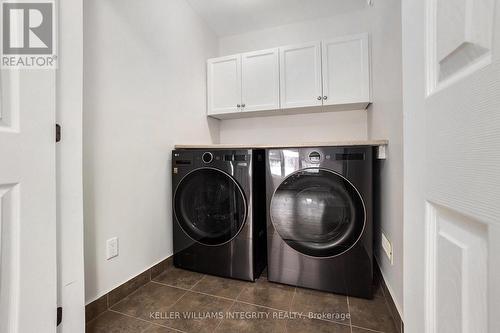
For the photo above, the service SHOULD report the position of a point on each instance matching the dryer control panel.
(224, 159)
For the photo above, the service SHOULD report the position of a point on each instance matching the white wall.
(384, 119)
(144, 91)
(315, 127)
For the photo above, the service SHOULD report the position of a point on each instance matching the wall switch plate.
(387, 246)
(111, 248)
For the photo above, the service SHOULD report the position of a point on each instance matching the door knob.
(325, 97)
(242, 105)
(319, 98)
(238, 105)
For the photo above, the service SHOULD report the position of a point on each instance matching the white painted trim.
(13, 264)
(481, 62)
(69, 190)
(430, 268)
(10, 122)
(430, 50)
(433, 86)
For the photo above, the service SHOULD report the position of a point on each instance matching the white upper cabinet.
(260, 81)
(346, 70)
(300, 75)
(224, 85)
(292, 79)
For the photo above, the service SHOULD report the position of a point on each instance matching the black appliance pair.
(305, 212)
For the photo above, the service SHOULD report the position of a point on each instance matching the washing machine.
(319, 226)
(219, 212)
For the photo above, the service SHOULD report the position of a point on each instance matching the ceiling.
(229, 17)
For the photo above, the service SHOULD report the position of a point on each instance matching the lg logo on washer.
(28, 33)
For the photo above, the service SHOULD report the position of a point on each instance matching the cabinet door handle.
(238, 105)
(242, 105)
(325, 97)
(319, 98)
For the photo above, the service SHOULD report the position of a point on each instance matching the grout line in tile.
(237, 299)
(149, 322)
(367, 329)
(170, 285)
(388, 307)
(293, 297)
(194, 285)
(177, 301)
(262, 306)
(228, 309)
(135, 291)
(95, 318)
(349, 312)
(280, 310)
(193, 291)
(170, 307)
(326, 320)
(290, 307)
(241, 291)
(124, 298)
(220, 322)
(332, 322)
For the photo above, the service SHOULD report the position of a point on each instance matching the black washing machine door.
(210, 206)
(318, 212)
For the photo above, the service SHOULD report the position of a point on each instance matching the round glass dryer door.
(210, 206)
(318, 212)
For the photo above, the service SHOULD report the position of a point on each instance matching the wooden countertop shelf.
(381, 144)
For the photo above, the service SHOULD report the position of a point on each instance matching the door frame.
(69, 188)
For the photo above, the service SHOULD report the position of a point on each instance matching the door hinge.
(58, 132)
(59, 315)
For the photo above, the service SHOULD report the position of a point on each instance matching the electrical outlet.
(387, 246)
(111, 248)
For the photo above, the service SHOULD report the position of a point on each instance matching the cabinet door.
(260, 80)
(224, 84)
(346, 70)
(300, 75)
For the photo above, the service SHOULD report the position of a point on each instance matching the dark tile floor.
(184, 301)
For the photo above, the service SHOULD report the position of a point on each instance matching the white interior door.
(300, 75)
(451, 61)
(27, 202)
(346, 70)
(224, 84)
(260, 80)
